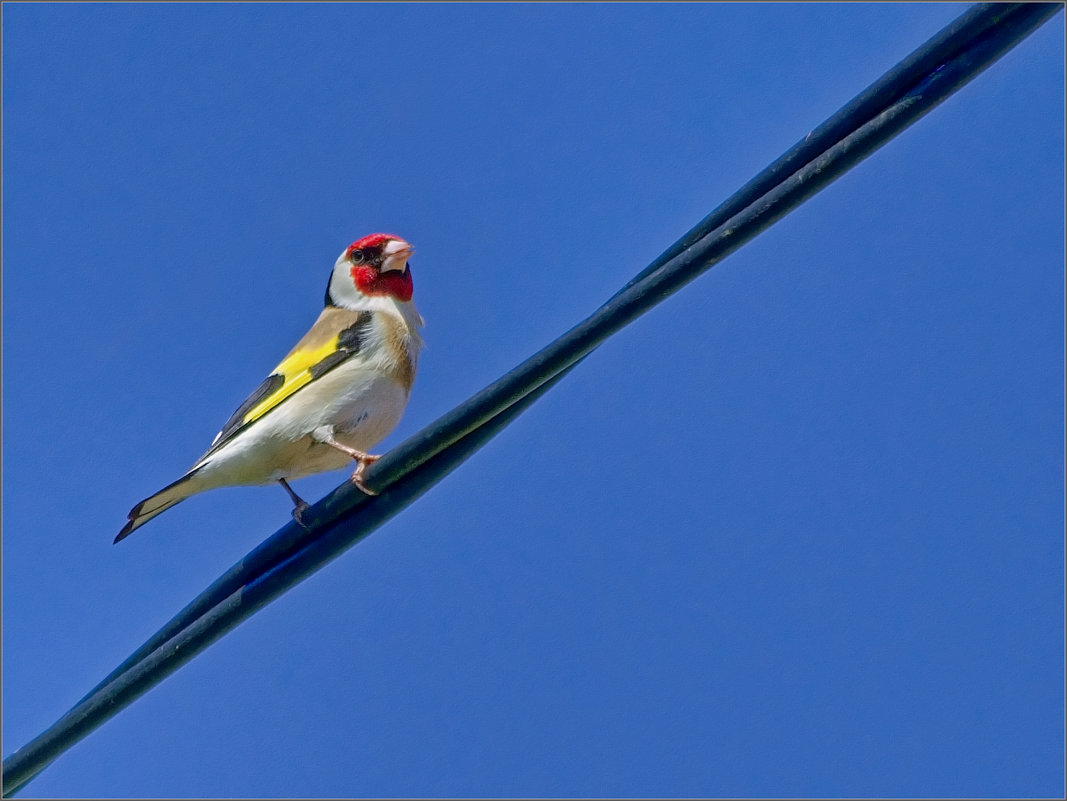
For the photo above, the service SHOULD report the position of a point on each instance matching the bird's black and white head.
(375, 266)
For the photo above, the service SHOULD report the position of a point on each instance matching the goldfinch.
(338, 393)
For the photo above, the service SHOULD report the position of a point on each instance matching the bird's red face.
(379, 266)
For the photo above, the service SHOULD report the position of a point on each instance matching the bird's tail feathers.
(170, 495)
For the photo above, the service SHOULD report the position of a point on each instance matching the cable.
(919, 83)
(961, 33)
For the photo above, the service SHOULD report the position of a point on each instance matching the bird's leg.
(362, 460)
(299, 504)
(361, 465)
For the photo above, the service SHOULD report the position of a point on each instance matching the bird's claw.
(357, 475)
(298, 515)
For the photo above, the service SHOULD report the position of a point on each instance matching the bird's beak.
(396, 255)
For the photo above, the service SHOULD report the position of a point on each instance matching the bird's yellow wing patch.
(296, 371)
(324, 347)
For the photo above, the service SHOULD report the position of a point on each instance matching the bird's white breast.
(361, 400)
(361, 404)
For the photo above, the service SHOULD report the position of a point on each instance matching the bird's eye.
(358, 256)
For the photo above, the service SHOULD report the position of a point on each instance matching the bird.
(339, 392)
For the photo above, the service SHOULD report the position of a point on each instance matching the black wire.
(960, 33)
(444, 431)
(911, 89)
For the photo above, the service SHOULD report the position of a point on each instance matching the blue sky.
(797, 531)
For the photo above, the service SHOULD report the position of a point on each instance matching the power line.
(934, 71)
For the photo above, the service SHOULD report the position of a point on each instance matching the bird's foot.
(298, 514)
(299, 504)
(361, 464)
(362, 460)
